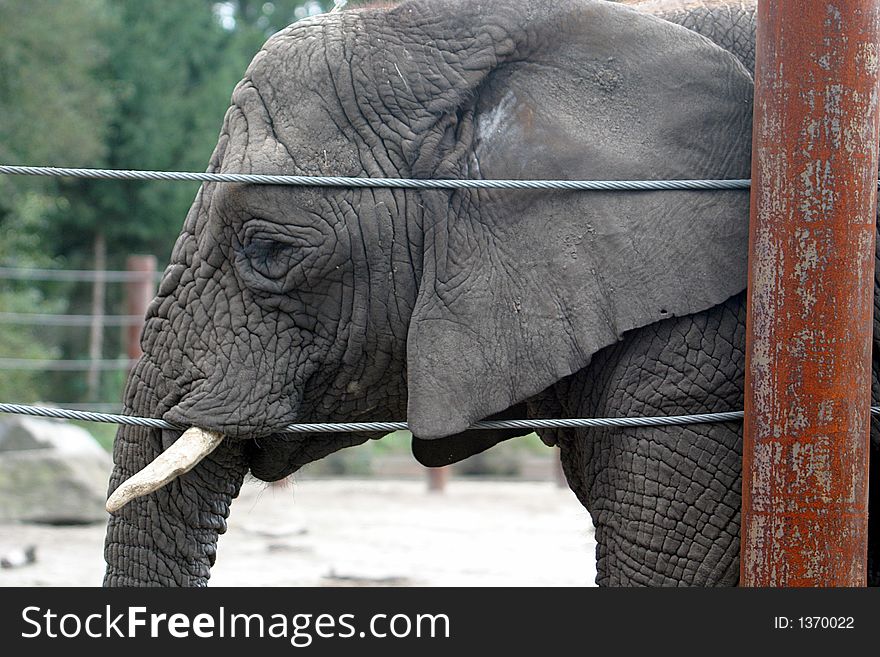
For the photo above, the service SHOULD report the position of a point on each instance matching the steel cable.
(353, 427)
(398, 183)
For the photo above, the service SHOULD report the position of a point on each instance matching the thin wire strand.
(30, 319)
(74, 275)
(398, 183)
(94, 407)
(85, 416)
(348, 427)
(73, 365)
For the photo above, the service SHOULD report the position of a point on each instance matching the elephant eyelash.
(264, 264)
(270, 258)
(264, 248)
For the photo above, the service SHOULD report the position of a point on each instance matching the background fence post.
(808, 363)
(139, 292)
(438, 478)
(96, 328)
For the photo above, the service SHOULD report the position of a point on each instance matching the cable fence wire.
(372, 427)
(398, 183)
(351, 427)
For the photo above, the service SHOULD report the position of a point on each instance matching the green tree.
(51, 104)
(171, 69)
(53, 110)
(121, 84)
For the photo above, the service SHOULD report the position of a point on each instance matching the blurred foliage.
(104, 434)
(507, 459)
(54, 108)
(53, 103)
(18, 343)
(52, 99)
(107, 83)
(171, 68)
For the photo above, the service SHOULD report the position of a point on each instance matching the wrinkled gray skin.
(285, 304)
(731, 24)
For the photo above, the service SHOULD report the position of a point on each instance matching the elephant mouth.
(272, 457)
(211, 424)
(271, 453)
(275, 456)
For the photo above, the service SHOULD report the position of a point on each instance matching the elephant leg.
(874, 516)
(665, 500)
(874, 451)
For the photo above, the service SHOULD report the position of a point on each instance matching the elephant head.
(303, 304)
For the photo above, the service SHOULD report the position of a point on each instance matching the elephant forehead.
(290, 119)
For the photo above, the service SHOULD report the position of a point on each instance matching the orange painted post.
(811, 264)
(139, 292)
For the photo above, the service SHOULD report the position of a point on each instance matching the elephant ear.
(452, 449)
(521, 288)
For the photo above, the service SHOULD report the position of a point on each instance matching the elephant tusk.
(194, 445)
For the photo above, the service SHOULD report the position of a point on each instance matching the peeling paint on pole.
(138, 295)
(811, 277)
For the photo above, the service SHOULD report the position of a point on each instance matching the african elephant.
(304, 304)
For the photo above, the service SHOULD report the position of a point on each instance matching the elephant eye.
(280, 257)
(265, 263)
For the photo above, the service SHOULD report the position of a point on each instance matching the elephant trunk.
(169, 537)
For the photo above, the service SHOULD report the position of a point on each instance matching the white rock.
(51, 472)
(23, 433)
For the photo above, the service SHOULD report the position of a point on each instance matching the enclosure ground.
(346, 532)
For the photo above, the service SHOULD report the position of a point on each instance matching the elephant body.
(731, 24)
(445, 307)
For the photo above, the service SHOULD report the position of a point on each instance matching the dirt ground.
(347, 532)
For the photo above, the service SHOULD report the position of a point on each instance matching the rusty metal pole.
(808, 362)
(139, 292)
